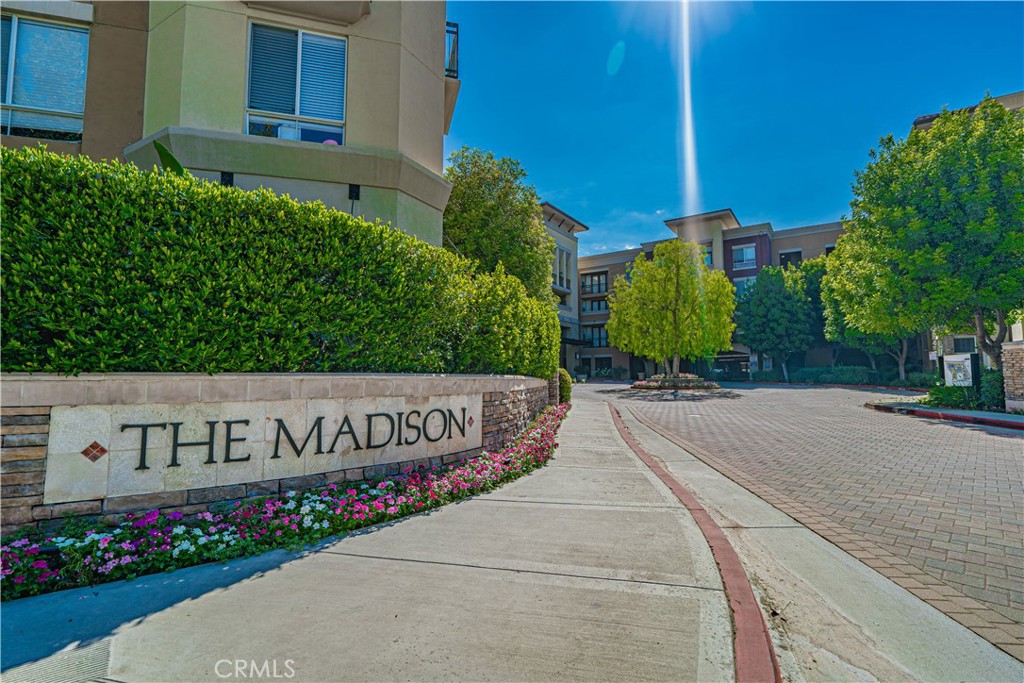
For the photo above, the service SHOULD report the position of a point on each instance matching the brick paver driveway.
(946, 498)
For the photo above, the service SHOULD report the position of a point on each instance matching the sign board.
(961, 370)
(101, 451)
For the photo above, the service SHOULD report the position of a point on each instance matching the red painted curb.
(752, 644)
(952, 417)
(881, 387)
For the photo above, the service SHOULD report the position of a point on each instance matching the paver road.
(948, 498)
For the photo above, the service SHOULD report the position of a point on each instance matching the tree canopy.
(936, 236)
(775, 315)
(672, 306)
(493, 217)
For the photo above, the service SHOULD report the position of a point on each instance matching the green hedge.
(108, 268)
(564, 386)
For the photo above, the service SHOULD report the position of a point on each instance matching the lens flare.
(686, 136)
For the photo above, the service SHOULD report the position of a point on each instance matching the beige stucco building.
(344, 102)
(564, 229)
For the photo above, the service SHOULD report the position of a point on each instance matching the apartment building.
(739, 250)
(564, 229)
(344, 102)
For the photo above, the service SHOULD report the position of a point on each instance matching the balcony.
(451, 52)
(451, 72)
(592, 289)
(346, 12)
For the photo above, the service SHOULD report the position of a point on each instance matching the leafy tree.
(672, 307)
(775, 315)
(813, 272)
(936, 236)
(838, 332)
(493, 217)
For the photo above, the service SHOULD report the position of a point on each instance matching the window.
(561, 276)
(42, 79)
(595, 335)
(829, 248)
(603, 363)
(594, 305)
(963, 345)
(296, 85)
(744, 257)
(594, 283)
(707, 256)
(743, 284)
(791, 257)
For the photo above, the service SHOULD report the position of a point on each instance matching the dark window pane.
(273, 63)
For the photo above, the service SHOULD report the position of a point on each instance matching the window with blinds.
(42, 78)
(296, 85)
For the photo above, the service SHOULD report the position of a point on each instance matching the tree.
(936, 236)
(839, 333)
(775, 315)
(493, 217)
(672, 307)
(813, 272)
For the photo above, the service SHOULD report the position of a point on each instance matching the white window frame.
(296, 118)
(744, 265)
(973, 340)
(7, 96)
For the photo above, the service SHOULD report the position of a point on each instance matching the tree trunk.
(675, 364)
(785, 370)
(872, 360)
(992, 346)
(836, 350)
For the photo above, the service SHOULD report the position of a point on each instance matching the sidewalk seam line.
(524, 571)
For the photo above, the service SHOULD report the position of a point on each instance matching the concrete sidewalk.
(833, 617)
(588, 569)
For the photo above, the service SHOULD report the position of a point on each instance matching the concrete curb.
(876, 387)
(993, 626)
(950, 417)
(752, 643)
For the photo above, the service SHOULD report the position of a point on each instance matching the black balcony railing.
(451, 53)
(593, 288)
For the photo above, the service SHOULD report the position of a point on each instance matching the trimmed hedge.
(108, 268)
(564, 386)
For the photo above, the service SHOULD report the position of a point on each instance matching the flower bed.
(156, 541)
(674, 382)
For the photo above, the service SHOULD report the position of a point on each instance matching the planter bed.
(88, 553)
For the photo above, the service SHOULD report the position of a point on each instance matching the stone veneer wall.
(509, 403)
(1013, 374)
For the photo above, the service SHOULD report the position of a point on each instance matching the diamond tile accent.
(471, 420)
(94, 451)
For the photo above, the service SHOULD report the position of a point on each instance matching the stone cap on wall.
(50, 389)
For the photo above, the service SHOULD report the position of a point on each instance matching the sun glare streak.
(686, 135)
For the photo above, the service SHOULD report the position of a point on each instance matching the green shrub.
(922, 379)
(848, 374)
(952, 397)
(564, 386)
(108, 268)
(808, 375)
(992, 390)
(766, 376)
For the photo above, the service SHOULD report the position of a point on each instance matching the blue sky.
(788, 97)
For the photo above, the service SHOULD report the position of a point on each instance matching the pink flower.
(39, 564)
